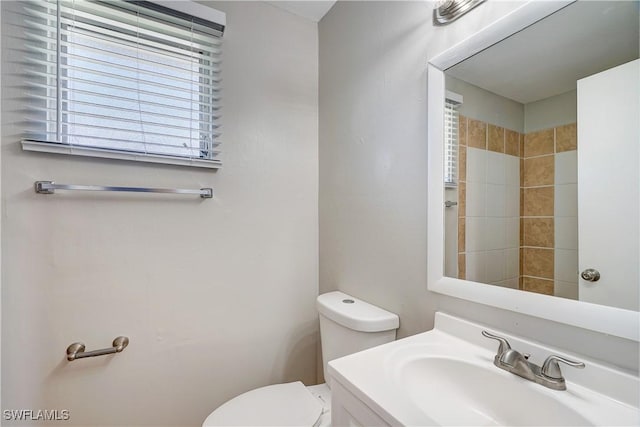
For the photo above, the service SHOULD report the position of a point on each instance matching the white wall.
(217, 296)
(480, 104)
(1, 275)
(551, 112)
(372, 150)
(373, 159)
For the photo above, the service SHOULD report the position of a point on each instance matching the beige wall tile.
(521, 233)
(461, 234)
(540, 286)
(538, 263)
(521, 202)
(521, 173)
(538, 171)
(462, 130)
(538, 201)
(462, 199)
(462, 266)
(566, 138)
(462, 163)
(476, 134)
(538, 143)
(495, 140)
(521, 262)
(512, 143)
(521, 139)
(538, 232)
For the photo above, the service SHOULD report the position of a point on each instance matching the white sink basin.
(447, 377)
(481, 395)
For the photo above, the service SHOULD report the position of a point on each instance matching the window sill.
(49, 147)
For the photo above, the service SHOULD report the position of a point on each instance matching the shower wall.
(549, 212)
(517, 208)
(489, 208)
(517, 192)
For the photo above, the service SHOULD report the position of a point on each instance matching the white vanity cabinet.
(348, 410)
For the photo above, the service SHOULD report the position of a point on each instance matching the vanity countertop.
(446, 376)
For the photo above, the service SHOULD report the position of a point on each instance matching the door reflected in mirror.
(526, 123)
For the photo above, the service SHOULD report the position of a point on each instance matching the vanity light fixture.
(447, 11)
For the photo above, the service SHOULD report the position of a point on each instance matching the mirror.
(506, 232)
(515, 223)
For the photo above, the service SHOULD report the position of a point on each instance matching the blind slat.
(157, 43)
(450, 144)
(105, 142)
(149, 98)
(85, 139)
(188, 123)
(156, 106)
(148, 83)
(105, 50)
(161, 117)
(129, 16)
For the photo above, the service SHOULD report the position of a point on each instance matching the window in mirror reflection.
(451, 142)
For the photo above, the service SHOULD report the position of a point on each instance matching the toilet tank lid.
(356, 314)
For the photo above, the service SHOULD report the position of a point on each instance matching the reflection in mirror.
(523, 117)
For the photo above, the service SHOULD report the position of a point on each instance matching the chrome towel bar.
(76, 350)
(49, 187)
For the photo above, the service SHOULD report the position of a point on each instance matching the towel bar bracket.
(42, 187)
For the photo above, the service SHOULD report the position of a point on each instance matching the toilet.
(347, 325)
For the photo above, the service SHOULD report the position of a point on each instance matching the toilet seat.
(288, 404)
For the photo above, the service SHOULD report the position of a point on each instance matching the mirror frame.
(609, 320)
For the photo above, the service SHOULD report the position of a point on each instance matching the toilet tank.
(349, 325)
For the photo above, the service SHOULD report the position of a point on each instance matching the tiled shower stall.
(517, 207)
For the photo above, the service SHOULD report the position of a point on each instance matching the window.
(124, 79)
(452, 102)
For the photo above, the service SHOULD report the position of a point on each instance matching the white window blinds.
(452, 102)
(125, 79)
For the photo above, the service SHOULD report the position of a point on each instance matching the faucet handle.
(551, 369)
(504, 344)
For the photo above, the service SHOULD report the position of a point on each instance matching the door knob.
(590, 275)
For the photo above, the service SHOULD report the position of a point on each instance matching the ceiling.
(547, 58)
(310, 9)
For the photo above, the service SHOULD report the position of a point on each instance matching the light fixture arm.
(447, 11)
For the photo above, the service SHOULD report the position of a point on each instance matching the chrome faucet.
(549, 375)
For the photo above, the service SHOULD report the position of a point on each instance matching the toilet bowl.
(347, 325)
(290, 404)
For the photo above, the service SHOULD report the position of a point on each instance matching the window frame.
(187, 7)
(451, 140)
